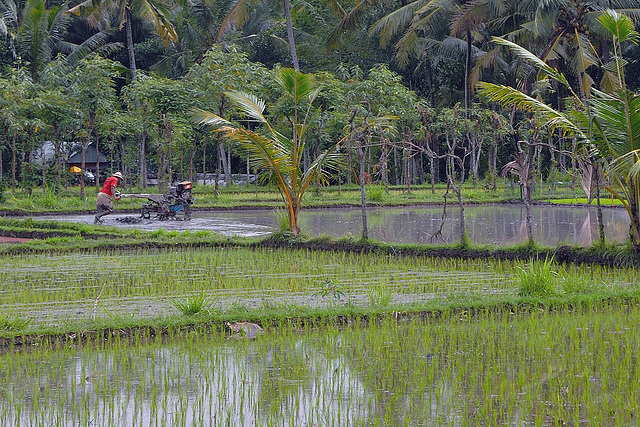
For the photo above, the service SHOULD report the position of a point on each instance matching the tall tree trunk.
(292, 43)
(451, 172)
(204, 162)
(467, 76)
(226, 168)
(83, 155)
(57, 159)
(396, 167)
(527, 194)
(130, 51)
(600, 220)
(218, 165)
(14, 162)
(493, 155)
(97, 177)
(192, 157)
(143, 159)
(123, 164)
(406, 162)
(384, 159)
(363, 193)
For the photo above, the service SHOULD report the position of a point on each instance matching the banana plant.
(276, 154)
(608, 123)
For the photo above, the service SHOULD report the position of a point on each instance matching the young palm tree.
(270, 151)
(608, 123)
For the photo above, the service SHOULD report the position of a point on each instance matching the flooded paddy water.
(486, 224)
(508, 369)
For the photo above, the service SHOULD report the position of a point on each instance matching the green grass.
(68, 200)
(604, 201)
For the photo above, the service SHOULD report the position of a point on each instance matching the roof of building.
(90, 156)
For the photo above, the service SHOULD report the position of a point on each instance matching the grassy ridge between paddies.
(274, 281)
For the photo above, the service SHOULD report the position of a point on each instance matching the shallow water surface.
(485, 224)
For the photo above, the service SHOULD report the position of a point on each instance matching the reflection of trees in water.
(294, 381)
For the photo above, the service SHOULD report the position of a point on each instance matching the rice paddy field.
(534, 369)
(534, 366)
(54, 289)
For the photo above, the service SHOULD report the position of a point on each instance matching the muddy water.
(485, 224)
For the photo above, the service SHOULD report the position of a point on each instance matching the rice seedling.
(380, 296)
(145, 281)
(375, 193)
(13, 323)
(538, 279)
(195, 304)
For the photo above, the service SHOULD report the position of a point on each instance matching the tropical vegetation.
(394, 93)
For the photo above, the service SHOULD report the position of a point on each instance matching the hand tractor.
(174, 205)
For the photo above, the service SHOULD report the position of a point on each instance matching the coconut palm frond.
(265, 156)
(237, 17)
(530, 57)
(92, 44)
(586, 55)
(390, 25)
(587, 181)
(612, 110)
(330, 159)
(207, 118)
(348, 20)
(620, 25)
(162, 24)
(249, 104)
(508, 96)
(296, 84)
(634, 170)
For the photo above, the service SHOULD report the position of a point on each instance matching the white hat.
(118, 175)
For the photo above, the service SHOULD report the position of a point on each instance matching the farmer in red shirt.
(104, 206)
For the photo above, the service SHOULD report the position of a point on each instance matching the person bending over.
(104, 205)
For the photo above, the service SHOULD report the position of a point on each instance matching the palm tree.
(447, 26)
(36, 32)
(607, 123)
(270, 151)
(152, 11)
(240, 13)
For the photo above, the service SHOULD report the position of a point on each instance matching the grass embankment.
(68, 200)
(333, 280)
(69, 237)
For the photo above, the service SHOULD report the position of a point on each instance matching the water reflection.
(486, 224)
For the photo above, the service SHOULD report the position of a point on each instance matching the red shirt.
(106, 188)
